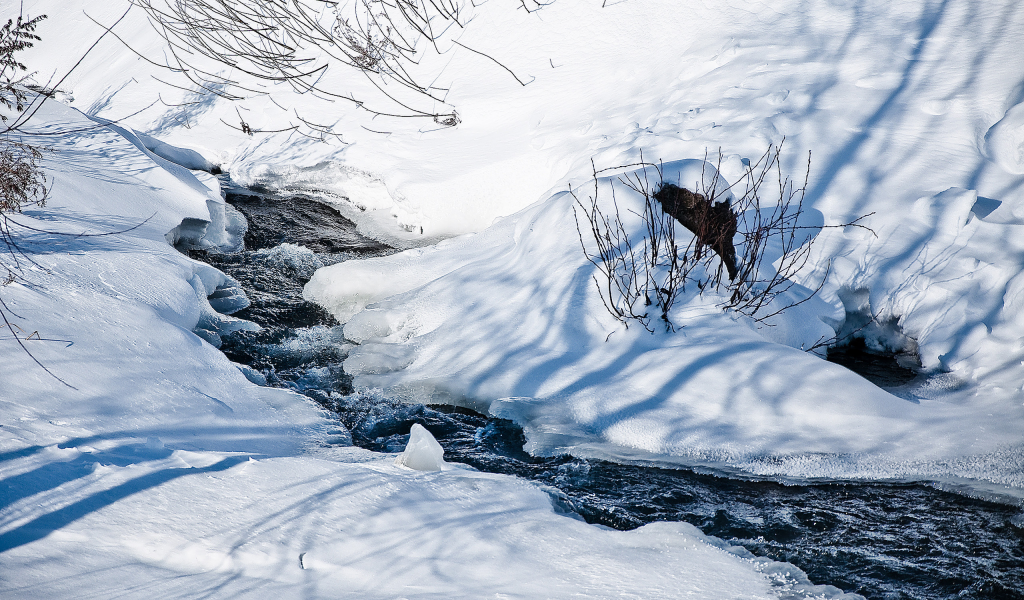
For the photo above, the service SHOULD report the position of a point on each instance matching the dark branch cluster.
(295, 42)
(22, 182)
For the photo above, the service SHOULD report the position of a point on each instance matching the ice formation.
(423, 453)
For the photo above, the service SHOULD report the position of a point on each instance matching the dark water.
(883, 370)
(888, 541)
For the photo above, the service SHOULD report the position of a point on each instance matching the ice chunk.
(189, 234)
(423, 452)
(226, 231)
(228, 298)
(252, 374)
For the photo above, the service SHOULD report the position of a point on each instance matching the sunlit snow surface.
(882, 540)
(164, 472)
(912, 114)
(516, 329)
(912, 111)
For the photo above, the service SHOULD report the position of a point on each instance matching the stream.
(885, 541)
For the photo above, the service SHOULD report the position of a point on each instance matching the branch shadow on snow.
(50, 522)
(900, 137)
(550, 354)
(877, 148)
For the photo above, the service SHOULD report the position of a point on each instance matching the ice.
(860, 322)
(359, 195)
(218, 295)
(226, 231)
(423, 453)
(912, 113)
(188, 234)
(534, 343)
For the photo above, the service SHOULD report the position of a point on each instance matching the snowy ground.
(914, 113)
(163, 472)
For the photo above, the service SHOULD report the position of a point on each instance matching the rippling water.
(891, 541)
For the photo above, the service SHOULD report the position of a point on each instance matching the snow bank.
(911, 111)
(190, 159)
(237, 527)
(158, 469)
(912, 114)
(895, 101)
(517, 328)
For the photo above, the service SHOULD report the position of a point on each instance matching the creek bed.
(886, 541)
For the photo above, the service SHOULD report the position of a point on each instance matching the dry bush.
(623, 280)
(22, 182)
(297, 41)
(727, 251)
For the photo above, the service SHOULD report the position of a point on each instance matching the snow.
(1004, 142)
(533, 343)
(159, 469)
(190, 159)
(912, 116)
(913, 113)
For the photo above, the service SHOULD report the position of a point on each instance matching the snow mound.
(1004, 142)
(423, 453)
(516, 327)
(165, 467)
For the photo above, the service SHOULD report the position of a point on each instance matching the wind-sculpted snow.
(1004, 142)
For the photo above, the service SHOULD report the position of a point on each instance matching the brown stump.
(713, 224)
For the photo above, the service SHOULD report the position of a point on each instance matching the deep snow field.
(161, 470)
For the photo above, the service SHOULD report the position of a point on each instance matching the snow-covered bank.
(531, 341)
(912, 112)
(165, 473)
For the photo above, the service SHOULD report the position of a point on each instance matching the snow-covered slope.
(517, 328)
(163, 472)
(912, 112)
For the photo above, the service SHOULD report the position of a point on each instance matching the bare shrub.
(623, 268)
(296, 42)
(728, 249)
(22, 180)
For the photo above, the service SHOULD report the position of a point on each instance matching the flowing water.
(891, 541)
